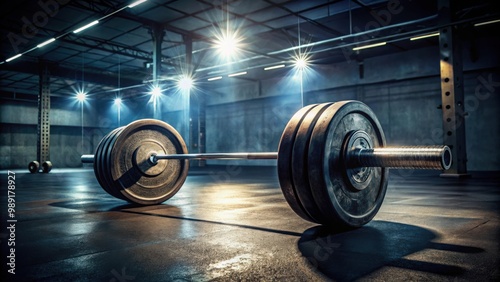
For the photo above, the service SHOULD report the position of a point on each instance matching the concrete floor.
(232, 223)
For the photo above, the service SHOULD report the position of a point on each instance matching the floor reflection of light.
(81, 192)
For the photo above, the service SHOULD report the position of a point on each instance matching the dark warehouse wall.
(403, 89)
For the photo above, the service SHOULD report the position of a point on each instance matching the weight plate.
(46, 166)
(139, 181)
(99, 162)
(34, 166)
(299, 162)
(285, 162)
(333, 193)
(114, 188)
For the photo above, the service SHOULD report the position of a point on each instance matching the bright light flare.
(228, 45)
(185, 83)
(81, 96)
(301, 63)
(118, 101)
(155, 92)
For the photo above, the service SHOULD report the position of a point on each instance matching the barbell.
(332, 162)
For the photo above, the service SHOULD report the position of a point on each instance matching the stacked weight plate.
(311, 165)
(123, 169)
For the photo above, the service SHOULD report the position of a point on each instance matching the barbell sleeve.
(410, 157)
(87, 159)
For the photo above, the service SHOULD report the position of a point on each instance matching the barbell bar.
(405, 157)
(332, 162)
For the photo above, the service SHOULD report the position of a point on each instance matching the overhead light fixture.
(13, 58)
(237, 74)
(136, 3)
(45, 43)
(214, 78)
(369, 46)
(275, 67)
(488, 22)
(118, 101)
(424, 36)
(80, 96)
(85, 26)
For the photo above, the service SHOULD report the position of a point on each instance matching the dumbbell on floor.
(34, 166)
(332, 162)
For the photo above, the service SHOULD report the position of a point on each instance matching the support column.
(196, 110)
(43, 130)
(157, 32)
(452, 91)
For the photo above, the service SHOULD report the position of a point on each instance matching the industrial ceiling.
(117, 52)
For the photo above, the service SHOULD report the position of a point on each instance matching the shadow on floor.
(349, 255)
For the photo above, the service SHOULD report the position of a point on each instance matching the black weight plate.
(99, 162)
(285, 162)
(331, 190)
(114, 189)
(34, 166)
(139, 181)
(299, 166)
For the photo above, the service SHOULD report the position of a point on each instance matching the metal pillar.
(195, 111)
(43, 130)
(452, 91)
(157, 32)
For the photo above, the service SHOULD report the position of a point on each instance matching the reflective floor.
(232, 223)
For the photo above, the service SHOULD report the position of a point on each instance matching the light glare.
(228, 45)
(185, 83)
(80, 96)
(301, 63)
(156, 91)
(118, 101)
